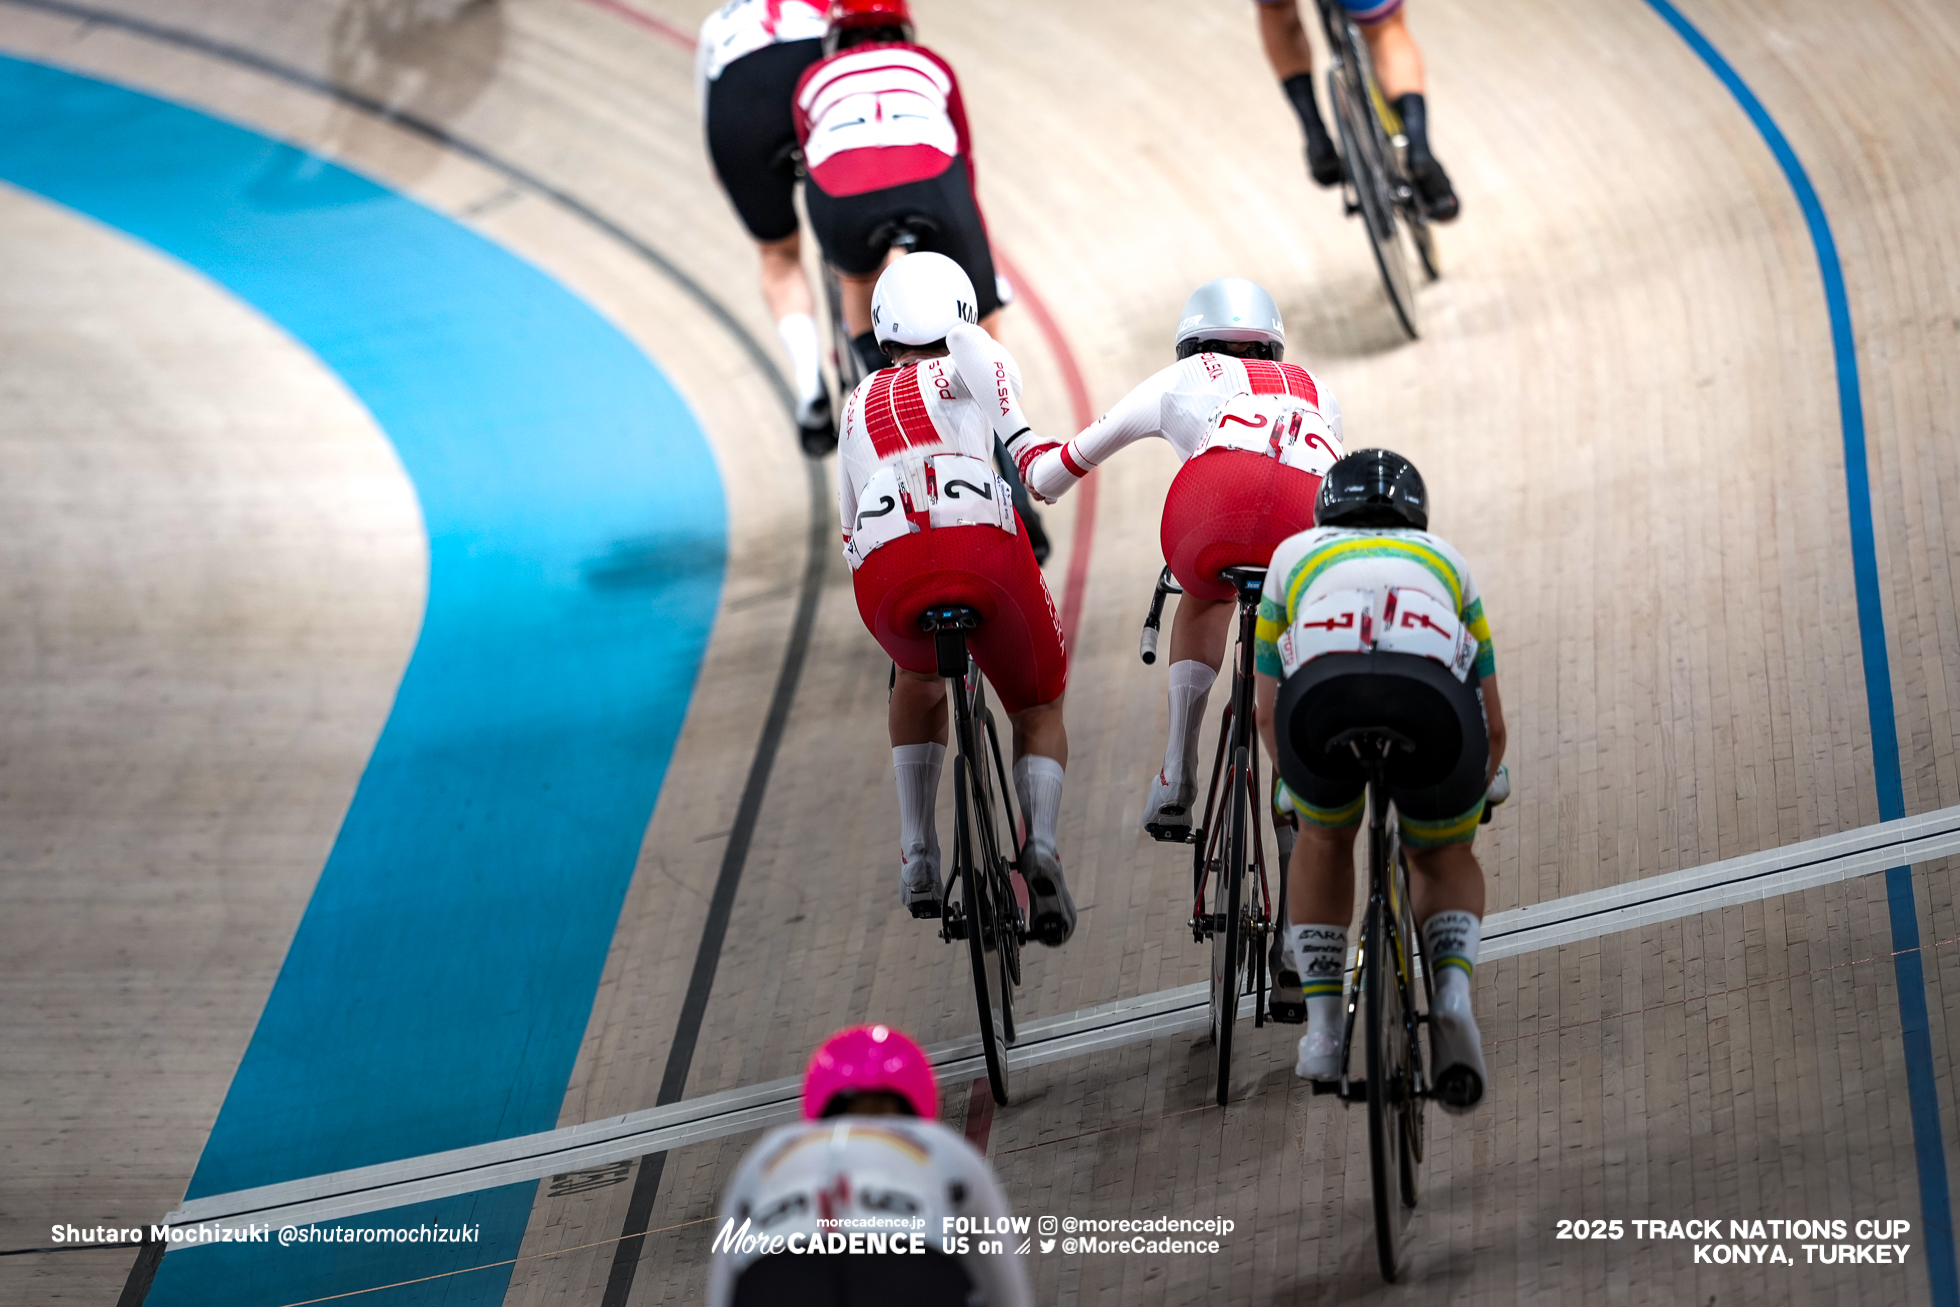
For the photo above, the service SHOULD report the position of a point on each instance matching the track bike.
(1389, 972)
(1228, 849)
(1375, 177)
(986, 912)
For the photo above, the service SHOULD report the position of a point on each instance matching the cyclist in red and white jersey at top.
(747, 62)
(1254, 433)
(872, 1177)
(884, 137)
(926, 522)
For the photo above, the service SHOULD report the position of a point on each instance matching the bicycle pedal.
(1287, 1012)
(926, 911)
(1325, 1086)
(1169, 834)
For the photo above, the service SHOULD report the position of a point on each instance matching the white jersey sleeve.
(1177, 404)
(898, 1179)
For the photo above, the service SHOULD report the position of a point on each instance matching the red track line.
(679, 36)
(980, 1104)
(1083, 413)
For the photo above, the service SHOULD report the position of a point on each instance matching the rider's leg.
(787, 291)
(1398, 67)
(917, 720)
(1446, 889)
(1291, 55)
(1040, 753)
(1198, 634)
(1320, 902)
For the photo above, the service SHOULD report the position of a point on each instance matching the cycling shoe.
(1167, 812)
(1051, 909)
(1433, 189)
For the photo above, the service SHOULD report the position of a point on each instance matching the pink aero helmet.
(868, 1059)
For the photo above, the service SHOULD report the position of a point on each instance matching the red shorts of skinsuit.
(1019, 643)
(1231, 508)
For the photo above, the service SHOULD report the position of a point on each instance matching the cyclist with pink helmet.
(852, 1205)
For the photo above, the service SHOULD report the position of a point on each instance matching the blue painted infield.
(438, 987)
(1908, 966)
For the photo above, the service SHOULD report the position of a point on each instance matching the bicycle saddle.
(903, 232)
(1245, 580)
(948, 624)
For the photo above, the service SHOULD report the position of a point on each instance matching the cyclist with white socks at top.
(870, 1168)
(1231, 502)
(1372, 555)
(747, 62)
(928, 522)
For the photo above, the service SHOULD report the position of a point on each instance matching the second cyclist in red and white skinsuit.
(927, 522)
(1244, 487)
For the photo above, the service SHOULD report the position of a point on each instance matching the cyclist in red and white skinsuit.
(747, 62)
(1234, 500)
(884, 137)
(927, 521)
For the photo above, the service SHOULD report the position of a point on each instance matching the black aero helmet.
(1372, 488)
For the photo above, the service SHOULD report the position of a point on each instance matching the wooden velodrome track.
(1625, 404)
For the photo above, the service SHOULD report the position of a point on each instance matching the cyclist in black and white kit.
(747, 62)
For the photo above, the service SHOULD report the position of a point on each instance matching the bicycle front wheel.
(982, 935)
(1387, 1043)
(1354, 117)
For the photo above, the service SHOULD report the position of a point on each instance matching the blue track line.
(439, 983)
(1935, 1205)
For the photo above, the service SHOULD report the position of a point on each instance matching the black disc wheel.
(1368, 173)
(1388, 1065)
(982, 925)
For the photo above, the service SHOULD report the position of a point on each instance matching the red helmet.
(867, 1060)
(870, 13)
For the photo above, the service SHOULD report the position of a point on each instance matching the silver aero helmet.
(920, 298)
(1235, 310)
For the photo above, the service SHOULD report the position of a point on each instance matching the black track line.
(687, 1034)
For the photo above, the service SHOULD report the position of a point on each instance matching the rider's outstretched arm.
(991, 377)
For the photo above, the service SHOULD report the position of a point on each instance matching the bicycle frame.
(1237, 731)
(988, 915)
(1237, 935)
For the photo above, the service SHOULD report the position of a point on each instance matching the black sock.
(1299, 89)
(1415, 122)
(870, 352)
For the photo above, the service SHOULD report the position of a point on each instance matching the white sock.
(1191, 683)
(917, 768)
(1450, 941)
(1319, 956)
(1038, 784)
(799, 336)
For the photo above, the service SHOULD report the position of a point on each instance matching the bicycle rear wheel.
(1386, 1039)
(1004, 910)
(1413, 1102)
(1230, 949)
(1355, 118)
(982, 935)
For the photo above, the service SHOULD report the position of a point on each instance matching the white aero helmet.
(920, 298)
(1230, 309)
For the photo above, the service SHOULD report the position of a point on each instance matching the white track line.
(343, 1194)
